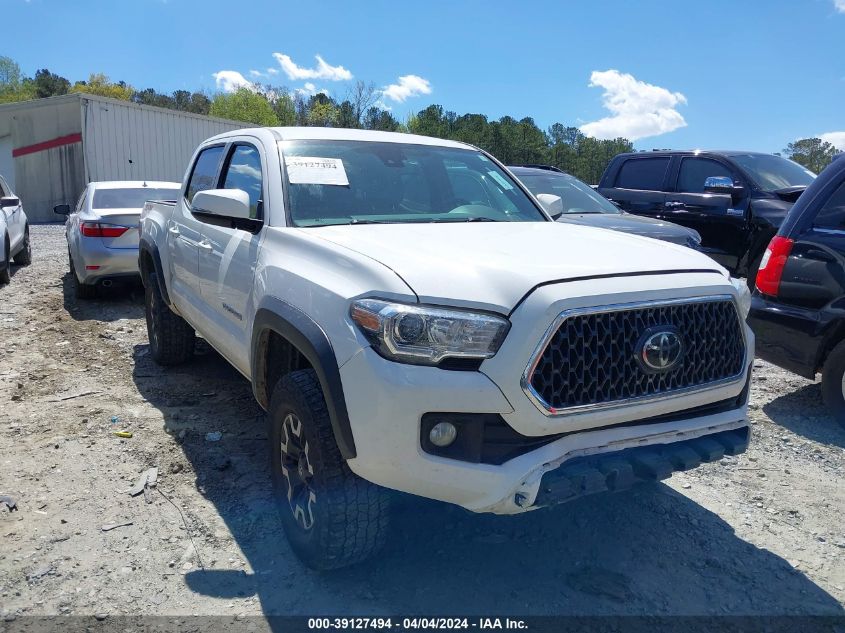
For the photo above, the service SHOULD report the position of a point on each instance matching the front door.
(228, 256)
(719, 218)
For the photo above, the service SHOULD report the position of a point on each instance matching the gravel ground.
(762, 533)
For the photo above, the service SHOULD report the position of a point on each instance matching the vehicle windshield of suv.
(577, 197)
(360, 182)
(772, 173)
(130, 198)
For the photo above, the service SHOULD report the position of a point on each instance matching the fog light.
(442, 434)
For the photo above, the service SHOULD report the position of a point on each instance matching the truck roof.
(344, 134)
(669, 152)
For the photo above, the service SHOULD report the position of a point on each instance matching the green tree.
(100, 85)
(284, 107)
(244, 105)
(13, 85)
(49, 84)
(322, 111)
(378, 119)
(813, 153)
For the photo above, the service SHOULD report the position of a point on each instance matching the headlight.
(744, 298)
(425, 335)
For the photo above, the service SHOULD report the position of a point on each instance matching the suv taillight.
(95, 229)
(772, 265)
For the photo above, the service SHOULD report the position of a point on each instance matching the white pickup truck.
(411, 318)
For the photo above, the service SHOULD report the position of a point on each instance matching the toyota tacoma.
(403, 338)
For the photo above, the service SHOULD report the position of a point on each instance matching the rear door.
(184, 232)
(814, 275)
(228, 256)
(719, 218)
(639, 185)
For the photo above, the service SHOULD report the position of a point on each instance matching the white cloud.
(837, 139)
(256, 73)
(322, 71)
(231, 80)
(408, 86)
(639, 109)
(272, 71)
(839, 5)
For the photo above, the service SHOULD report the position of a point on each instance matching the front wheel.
(833, 383)
(332, 517)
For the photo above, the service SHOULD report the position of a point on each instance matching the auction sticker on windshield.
(313, 170)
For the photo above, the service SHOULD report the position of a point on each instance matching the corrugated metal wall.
(124, 141)
(49, 176)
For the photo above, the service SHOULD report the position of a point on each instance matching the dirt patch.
(759, 534)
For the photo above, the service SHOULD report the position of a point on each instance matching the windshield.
(771, 173)
(577, 197)
(360, 182)
(130, 198)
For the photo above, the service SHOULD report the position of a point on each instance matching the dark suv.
(735, 200)
(798, 309)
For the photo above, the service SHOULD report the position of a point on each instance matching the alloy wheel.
(297, 471)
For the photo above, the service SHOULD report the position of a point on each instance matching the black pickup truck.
(735, 200)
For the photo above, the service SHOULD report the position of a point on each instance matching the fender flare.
(303, 333)
(146, 245)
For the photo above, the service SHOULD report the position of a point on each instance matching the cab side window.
(645, 174)
(243, 172)
(694, 171)
(832, 213)
(204, 174)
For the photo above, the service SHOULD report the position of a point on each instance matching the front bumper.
(111, 262)
(386, 402)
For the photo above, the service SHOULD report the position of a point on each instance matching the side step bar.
(620, 470)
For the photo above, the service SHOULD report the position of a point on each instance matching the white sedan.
(14, 232)
(102, 232)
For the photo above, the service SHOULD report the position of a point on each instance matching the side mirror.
(552, 204)
(226, 203)
(721, 184)
(9, 201)
(61, 209)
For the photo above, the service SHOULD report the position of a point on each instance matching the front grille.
(591, 359)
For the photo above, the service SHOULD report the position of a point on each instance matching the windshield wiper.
(472, 219)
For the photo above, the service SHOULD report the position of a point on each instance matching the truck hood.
(635, 224)
(493, 265)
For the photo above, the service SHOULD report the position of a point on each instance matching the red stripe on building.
(40, 147)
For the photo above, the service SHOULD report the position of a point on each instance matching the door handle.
(174, 230)
(673, 204)
(206, 246)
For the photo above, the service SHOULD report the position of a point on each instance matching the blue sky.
(671, 73)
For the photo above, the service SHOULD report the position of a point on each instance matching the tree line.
(514, 142)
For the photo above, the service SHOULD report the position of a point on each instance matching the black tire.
(24, 256)
(832, 386)
(332, 517)
(81, 291)
(5, 273)
(171, 338)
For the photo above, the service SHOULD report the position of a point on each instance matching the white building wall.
(124, 141)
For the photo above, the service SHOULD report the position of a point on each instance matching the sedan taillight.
(772, 265)
(97, 229)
